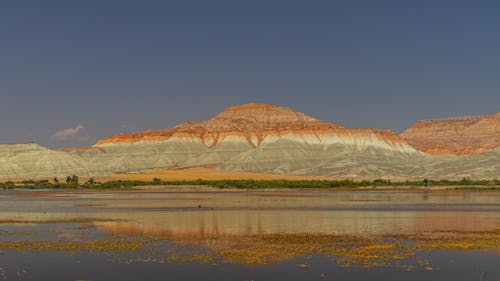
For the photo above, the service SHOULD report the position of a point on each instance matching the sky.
(73, 72)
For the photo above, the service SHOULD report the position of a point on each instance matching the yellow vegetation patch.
(382, 251)
(206, 173)
(351, 250)
(97, 245)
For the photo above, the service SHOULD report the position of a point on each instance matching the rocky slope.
(456, 135)
(31, 160)
(251, 124)
(255, 138)
(251, 137)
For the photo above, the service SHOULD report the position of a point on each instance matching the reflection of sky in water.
(285, 211)
(198, 217)
(454, 266)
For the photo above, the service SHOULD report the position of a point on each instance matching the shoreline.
(280, 191)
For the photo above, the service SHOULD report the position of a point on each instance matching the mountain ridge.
(252, 121)
(462, 135)
(260, 138)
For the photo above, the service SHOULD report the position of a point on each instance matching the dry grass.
(206, 174)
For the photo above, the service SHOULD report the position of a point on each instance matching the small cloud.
(67, 133)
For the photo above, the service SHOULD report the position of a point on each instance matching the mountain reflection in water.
(260, 212)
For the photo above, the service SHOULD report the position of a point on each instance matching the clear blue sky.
(115, 66)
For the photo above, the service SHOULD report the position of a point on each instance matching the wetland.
(204, 233)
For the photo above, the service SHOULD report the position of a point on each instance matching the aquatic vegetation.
(67, 245)
(382, 251)
(347, 250)
(149, 233)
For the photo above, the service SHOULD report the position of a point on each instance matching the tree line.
(73, 182)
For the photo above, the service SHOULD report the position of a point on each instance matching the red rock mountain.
(252, 121)
(456, 135)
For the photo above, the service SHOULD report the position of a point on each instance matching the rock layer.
(259, 138)
(31, 160)
(250, 122)
(269, 136)
(456, 135)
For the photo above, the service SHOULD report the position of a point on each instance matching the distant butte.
(456, 135)
(252, 121)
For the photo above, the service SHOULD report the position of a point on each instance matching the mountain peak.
(250, 106)
(252, 122)
(262, 116)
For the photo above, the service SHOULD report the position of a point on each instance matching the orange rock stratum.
(252, 121)
(456, 135)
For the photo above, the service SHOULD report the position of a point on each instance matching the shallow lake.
(186, 233)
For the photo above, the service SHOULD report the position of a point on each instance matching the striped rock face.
(251, 125)
(456, 135)
(31, 160)
(253, 138)
(266, 135)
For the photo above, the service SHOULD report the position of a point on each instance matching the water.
(235, 228)
(50, 267)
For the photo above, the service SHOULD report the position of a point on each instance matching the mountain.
(250, 137)
(31, 160)
(253, 138)
(456, 135)
(252, 125)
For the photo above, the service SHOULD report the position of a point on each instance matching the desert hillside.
(455, 135)
(257, 139)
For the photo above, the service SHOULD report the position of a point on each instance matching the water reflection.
(256, 212)
(194, 228)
